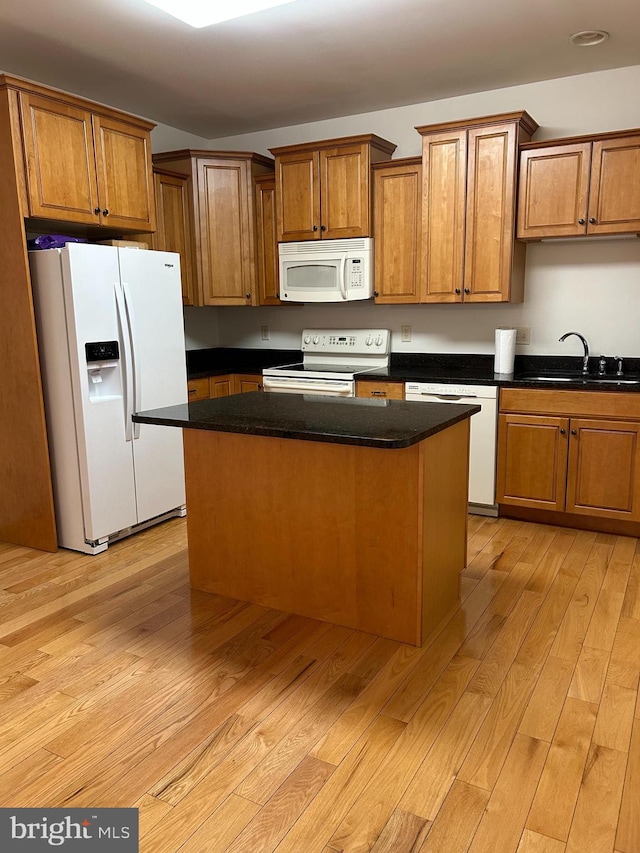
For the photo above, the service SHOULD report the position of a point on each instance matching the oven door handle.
(325, 387)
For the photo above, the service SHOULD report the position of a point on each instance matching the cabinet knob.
(375, 293)
(563, 431)
(574, 432)
(323, 227)
(580, 221)
(96, 210)
(105, 212)
(315, 227)
(457, 290)
(592, 220)
(247, 296)
(466, 290)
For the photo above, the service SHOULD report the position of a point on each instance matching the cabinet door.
(244, 382)
(604, 467)
(266, 245)
(397, 205)
(490, 213)
(298, 196)
(61, 171)
(173, 233)
(344, 192)
(125, 180)
(221, 386)
(532, 461)
(444, 169)
(553, 190)
(226, 241)
(614, 199)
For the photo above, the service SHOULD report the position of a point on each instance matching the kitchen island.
(352, 511)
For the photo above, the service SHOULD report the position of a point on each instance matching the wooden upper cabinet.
(174, 231)
(223, 213)
(267, 247)
(580, 186)
(397, 215)
(469, 179)
(84, 163)
(323, 189)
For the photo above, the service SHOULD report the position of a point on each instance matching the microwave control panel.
(355, 273)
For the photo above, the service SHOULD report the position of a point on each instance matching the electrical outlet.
(264, 333)
(405, 332)
(523, 335)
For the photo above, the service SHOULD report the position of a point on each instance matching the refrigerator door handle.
(134, 359)
(128, 372)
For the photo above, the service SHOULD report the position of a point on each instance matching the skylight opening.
(205, 13)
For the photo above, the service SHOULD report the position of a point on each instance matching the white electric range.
(332, 359)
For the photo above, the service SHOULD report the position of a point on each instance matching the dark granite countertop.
(389, 424)
(424, 367)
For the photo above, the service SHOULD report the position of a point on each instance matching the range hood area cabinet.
(580, 186)
(80, 162)
(324, 189)
(469, 185)
(222, 213)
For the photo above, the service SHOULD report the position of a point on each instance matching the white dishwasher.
(484, 430)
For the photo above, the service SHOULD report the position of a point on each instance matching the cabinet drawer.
(570, 403)
(198, 389)
(388, 390)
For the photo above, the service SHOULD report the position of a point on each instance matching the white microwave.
(327, 270)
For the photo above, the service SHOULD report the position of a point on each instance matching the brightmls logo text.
(73, 830)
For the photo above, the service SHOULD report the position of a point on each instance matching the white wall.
(590, 287)
(166, 138)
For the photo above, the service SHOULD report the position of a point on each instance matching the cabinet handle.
(323, 227)
(563, 431)
(574, 432)
(315, 227)
(592, 220)
(378, 393)
(192, 390)
(580, 221)
(466, 290)
(105, 212)
(96, 210)
(457, 290)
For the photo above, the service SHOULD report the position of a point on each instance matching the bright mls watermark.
(79, 830)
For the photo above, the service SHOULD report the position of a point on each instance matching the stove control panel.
(347, 341)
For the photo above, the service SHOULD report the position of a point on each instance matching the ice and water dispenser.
(103, 360)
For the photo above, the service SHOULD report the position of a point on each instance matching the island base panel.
(364, 537)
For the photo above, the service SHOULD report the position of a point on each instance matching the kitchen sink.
(579, 378)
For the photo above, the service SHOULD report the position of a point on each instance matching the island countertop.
(387, 424)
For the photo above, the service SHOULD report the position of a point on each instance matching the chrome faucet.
(585, 358)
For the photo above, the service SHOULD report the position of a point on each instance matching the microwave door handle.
(343, 286)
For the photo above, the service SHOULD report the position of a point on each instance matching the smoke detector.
(588, 38)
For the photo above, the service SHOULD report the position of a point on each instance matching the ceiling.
(305, 61)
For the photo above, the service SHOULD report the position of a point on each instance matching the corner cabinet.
(470, 169)
(83, 163)
(323, 189)
(397, 225)
(580, 186)
(174, 231)
(223, 217)
(570, 452)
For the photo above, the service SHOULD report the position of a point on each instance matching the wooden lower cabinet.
(386, 390)
(209, 387)
(568, 463)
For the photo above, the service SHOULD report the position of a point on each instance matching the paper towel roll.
(505, 351)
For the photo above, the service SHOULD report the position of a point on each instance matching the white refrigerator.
(111, 342)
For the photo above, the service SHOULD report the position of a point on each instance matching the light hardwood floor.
(241, 729)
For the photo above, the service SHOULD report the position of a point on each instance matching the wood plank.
(533, 842)
(545, 706)
(457, 820)
(557, 794)
(589, 675)
(403, 833)
(596, 815)
(615, 718)
(628, 832)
